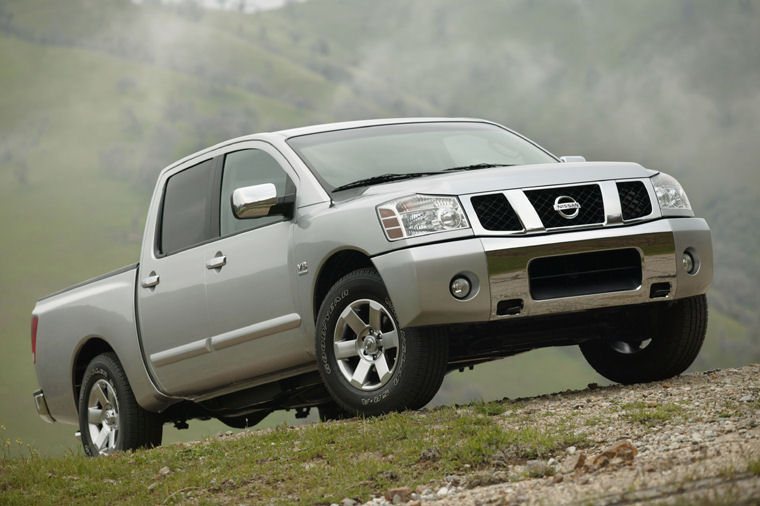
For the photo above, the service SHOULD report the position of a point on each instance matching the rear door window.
(186, 210)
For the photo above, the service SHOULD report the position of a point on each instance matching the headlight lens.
(421, 214)
(670, 193)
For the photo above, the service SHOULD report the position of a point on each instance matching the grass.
(639, 412)
(729, 409)
(593, 421)
(489, 408)
(753, 466)
(320, 463)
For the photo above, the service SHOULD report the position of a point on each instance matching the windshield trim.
(330, 188)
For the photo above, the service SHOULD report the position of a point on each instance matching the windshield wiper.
(477, 166)
(394, 177)
(381, 179)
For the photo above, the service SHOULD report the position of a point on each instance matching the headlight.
(670, 194)
(421, 214)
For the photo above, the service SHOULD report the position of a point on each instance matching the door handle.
(151, 281)
(217, 262)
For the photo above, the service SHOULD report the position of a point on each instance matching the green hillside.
(98, 96)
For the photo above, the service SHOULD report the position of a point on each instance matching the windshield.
(341, 157)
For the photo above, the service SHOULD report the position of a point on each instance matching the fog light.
(460, 287)
(688, 262)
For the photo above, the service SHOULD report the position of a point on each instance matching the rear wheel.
(110, 419)
(368, 363)
(677, 330)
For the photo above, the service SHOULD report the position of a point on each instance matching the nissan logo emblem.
(567, 207)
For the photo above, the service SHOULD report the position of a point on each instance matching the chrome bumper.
(42, 407)
(418, 278)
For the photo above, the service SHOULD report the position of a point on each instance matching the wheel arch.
(90, 348)
(337, 265)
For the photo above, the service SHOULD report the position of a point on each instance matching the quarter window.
(249, 167)
(185, 216)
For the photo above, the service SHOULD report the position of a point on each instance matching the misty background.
(97, 96)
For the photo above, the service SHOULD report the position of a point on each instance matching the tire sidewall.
(97, 370)
(386, 398)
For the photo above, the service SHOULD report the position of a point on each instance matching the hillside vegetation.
(98, 96)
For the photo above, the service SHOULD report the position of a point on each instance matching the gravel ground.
(694, 439)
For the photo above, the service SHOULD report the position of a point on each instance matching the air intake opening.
(659, 290)
(509, 307)
(585, 274)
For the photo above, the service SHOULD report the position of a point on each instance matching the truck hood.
(505, 178)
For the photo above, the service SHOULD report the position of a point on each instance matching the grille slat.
(495, 213)
(588, 196)
(634, 200)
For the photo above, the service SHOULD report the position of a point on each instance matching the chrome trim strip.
(256, 331)
(613, 211)
(525, 211)
(226, 340)
(180, 353)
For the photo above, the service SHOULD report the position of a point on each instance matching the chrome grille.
(495, 213)
(588, 196)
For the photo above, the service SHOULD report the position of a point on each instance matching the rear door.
(255, 326)
(171, 291)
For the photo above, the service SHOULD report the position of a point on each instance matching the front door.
(253, 319)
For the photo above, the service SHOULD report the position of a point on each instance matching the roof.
(345, 125)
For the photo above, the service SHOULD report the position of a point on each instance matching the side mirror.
(567, 158)
(260, 200)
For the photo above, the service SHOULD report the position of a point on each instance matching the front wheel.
(368, 363)
(677, 330)
(110, 419)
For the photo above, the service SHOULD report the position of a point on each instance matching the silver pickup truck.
(350, 266)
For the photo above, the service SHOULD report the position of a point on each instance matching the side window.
(247, 168)
(185, 216)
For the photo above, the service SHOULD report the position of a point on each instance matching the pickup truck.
(350, 266)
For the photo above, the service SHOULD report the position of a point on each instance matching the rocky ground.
(694, 439)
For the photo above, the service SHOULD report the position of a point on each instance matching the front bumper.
(418, 278)
(42, 407)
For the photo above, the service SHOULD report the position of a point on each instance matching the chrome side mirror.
(254, 201)
(567, 158)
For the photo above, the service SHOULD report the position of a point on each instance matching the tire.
(369, 364)
(677, 332)
(110, 419)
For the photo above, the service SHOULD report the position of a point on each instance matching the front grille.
(588, 196)
(495, 213)
(634, 200)
(584, 274)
